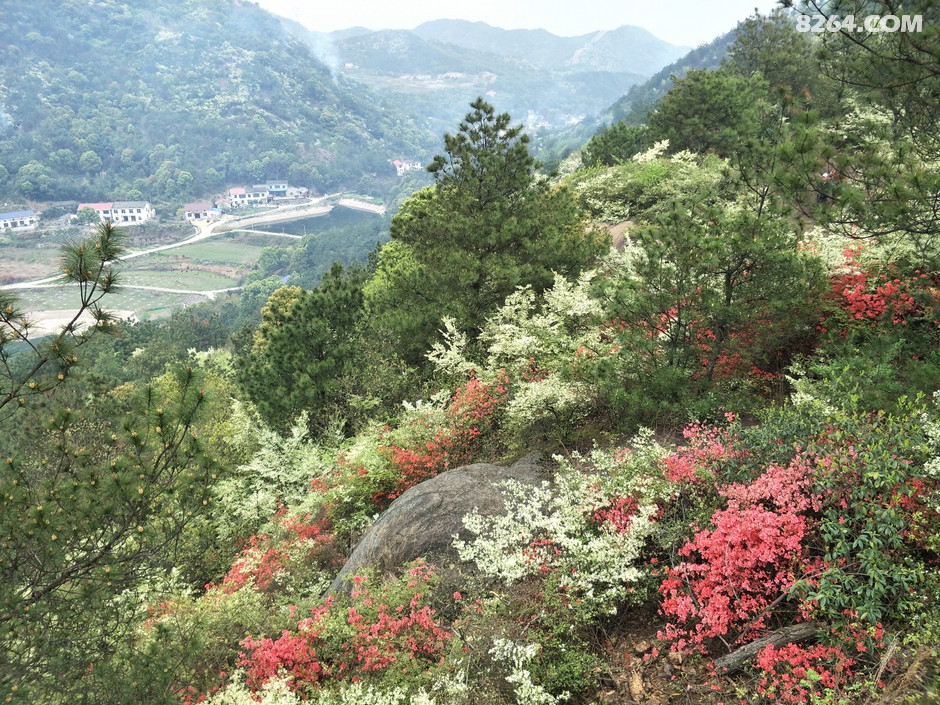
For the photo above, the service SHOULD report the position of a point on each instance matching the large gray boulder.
(423, 521)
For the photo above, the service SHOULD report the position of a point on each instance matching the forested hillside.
(661, 428)
(171, 101)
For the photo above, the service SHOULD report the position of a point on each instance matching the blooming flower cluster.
(871, 298)
(377, 630)
(707, 449)
(469, 421)
(733, 571)
(589, 541)
(792, 674)
(797, 674)
(518, 658)
(267, 559)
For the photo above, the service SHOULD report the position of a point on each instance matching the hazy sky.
(684, 22)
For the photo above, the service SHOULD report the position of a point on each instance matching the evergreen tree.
(32, 363)
(772, 48)
(487, 226)
(89, 517)
(709, 111)
(91, 508)
(615, 144)
(305, 346)
(885, 149)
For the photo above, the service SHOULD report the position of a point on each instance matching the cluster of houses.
(244, 197)
(135, 212)
(403, 167)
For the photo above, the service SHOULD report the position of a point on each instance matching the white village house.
(243, 197)
(262, 194)
(18, 220)
(200, 211)
(120, 212)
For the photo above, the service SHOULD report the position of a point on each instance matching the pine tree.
(487, 226)
(305, 346)
(93, 507)
(34, 362)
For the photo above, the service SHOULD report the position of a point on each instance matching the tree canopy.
(709, 110)
(304, 346)
(487, 226)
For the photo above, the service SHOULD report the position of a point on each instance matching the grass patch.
(224, 252)
(191, 279)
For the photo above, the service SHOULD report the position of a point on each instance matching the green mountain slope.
(178, 99)
(641, 97)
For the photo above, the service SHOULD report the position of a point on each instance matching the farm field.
(187, 276)
(148, 305)
(217, 263)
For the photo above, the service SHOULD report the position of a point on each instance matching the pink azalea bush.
(379, 630)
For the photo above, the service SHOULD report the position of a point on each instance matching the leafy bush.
(639, 189)
(278, 474)
(378, 466)
(732, 573)
(824, 519)
(391, 626)
(297, 559)
(584, 535)
(531, 342)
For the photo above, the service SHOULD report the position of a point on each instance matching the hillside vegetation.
(719, 329)
(172, 101)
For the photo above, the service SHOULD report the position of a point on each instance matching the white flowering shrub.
(587, 531)
(449, 357)
(277, 691)
(278, 474)
(367, 694)
(542, 405)
(638, 189)
(518, 658)
(654, 152)
(630, 470)
(534, 339)
(545, 328)
(595, 189)
(931, 425)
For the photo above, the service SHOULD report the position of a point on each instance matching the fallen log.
(736, 659)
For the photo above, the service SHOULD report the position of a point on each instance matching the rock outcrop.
(424, 520)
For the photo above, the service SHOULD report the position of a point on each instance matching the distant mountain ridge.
(540, 78)
(627, 49)
(182, 98)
